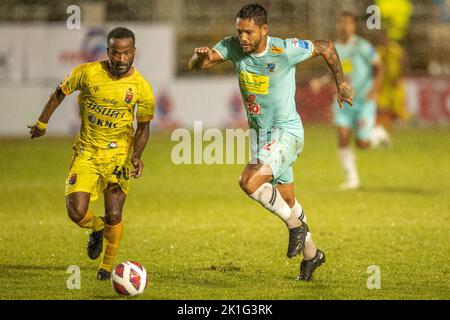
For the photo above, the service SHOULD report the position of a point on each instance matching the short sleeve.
(145, 104)
(368, 52)
(76, 80)
(224, 48)
(298, 50)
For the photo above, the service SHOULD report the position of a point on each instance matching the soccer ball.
(129, 279)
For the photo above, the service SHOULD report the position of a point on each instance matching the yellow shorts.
(92, 174)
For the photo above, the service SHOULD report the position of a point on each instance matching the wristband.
(41, 125)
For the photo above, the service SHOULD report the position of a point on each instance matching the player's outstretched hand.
(138, 165)
(203, 53)
(345, 94)
(35, 132)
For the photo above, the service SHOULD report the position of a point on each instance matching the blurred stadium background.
(399, 220)
(39, 50)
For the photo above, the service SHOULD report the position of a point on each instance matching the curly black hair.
(255, 12)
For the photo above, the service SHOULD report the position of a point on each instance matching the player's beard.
(252, 47)
(117, 71)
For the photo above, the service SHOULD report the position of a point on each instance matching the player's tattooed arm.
(38, 129)
(327, 50)
(139, 142)
(204, 58)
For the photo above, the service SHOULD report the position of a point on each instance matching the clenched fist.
(345, 94)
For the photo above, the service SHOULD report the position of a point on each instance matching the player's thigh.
(365, 122)
(116, 171)
(115, 184)
(83, 176)
(281, 154)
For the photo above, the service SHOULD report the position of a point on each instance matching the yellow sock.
(90, 221)
(112, 235)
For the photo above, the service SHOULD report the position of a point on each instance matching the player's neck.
(262, 46)
(347, 39)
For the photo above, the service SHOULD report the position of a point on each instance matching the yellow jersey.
(107, 106)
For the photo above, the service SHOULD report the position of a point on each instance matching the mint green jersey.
(267, 81)
(357, 57)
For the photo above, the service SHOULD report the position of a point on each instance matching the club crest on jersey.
(129, 96)
(271, 67)
(72, 179)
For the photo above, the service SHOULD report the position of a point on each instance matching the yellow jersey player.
(106, 154)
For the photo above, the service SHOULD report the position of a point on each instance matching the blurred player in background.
(105, 149)
(391, 101)
(266, 69)
(364, 70)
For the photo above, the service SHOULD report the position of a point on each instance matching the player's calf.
(95, 243)
(270, 198)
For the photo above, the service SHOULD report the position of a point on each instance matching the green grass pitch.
(200, 237)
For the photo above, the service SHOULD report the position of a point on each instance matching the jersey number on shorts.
(122, 173)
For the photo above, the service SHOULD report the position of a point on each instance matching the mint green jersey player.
(357, 59)
(267, 84)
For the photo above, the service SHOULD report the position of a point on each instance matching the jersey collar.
(257, 55)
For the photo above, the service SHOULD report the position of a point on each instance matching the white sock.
(310, 249)
(348, 162)
(270, 198)
(297, 211)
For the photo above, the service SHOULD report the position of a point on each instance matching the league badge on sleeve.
(300, 43)
(129, 95)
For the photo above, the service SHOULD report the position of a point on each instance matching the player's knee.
(343, 143)
(363, 144)
(76, 211)
(247, 184)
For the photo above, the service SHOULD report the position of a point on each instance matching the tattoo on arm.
(327, 50)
